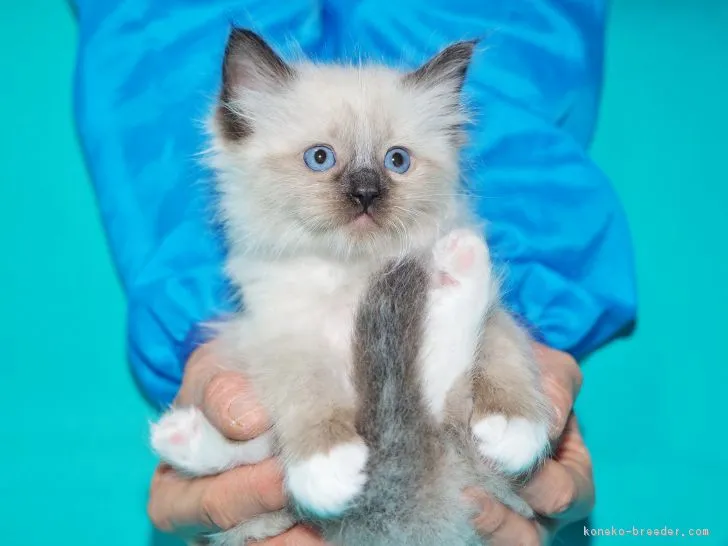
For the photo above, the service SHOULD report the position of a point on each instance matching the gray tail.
(392, 417)
(403, 440)
(415, 470)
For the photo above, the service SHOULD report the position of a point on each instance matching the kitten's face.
(336, 159)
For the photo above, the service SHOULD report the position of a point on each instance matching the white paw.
(326, 483)
(186, 440)
(515, 444)
(461, 256)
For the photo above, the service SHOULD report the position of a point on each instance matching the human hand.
(562, 490)
(188, 507)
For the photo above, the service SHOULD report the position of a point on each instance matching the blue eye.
(319, 158)
(397, 160)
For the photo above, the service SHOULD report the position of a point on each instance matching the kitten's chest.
(305, 296)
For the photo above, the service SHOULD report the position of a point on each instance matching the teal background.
(74, 465)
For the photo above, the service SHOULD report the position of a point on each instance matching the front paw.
(515, 444)
(325, 484)
(186, 440)
(179, 440)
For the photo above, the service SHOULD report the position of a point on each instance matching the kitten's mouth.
(364, 220)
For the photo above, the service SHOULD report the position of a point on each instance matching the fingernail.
(242, 412)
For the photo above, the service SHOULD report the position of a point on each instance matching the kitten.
(372, 331)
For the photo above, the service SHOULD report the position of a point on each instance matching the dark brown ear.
(449, 67)
(250, 64)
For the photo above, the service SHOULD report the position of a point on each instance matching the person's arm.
(554, 219)
(146, 77)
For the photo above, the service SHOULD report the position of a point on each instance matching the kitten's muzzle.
(365, 187)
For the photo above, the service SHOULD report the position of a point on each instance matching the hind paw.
(325, 484)
(515, 444)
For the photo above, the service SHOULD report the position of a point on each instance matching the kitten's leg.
(511, 415)
(303, 381)
(185, 439)
(325, 458)
(459, 299)
(305, 386)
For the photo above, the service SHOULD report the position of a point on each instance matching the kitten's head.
(336, 159)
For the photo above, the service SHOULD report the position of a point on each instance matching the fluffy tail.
(393, 418)
(409, 481)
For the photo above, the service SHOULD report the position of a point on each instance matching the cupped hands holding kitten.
(561, 492)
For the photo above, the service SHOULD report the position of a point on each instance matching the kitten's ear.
(250, 64)
(448, 67)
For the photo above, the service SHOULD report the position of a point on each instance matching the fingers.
(501, 526)
(297, 536)
(215, 502)
(563, 488)
(226, 398)
(231, 406)
(562, 379)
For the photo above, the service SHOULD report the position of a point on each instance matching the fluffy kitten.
(372, 331)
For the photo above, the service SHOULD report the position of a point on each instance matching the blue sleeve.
(554, 219)
(147, 73)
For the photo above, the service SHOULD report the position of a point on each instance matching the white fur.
(326, 483)
(186, 440)
(513, 444)
(297, 293)
(456, 313)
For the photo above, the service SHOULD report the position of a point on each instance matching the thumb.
(226, 398)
